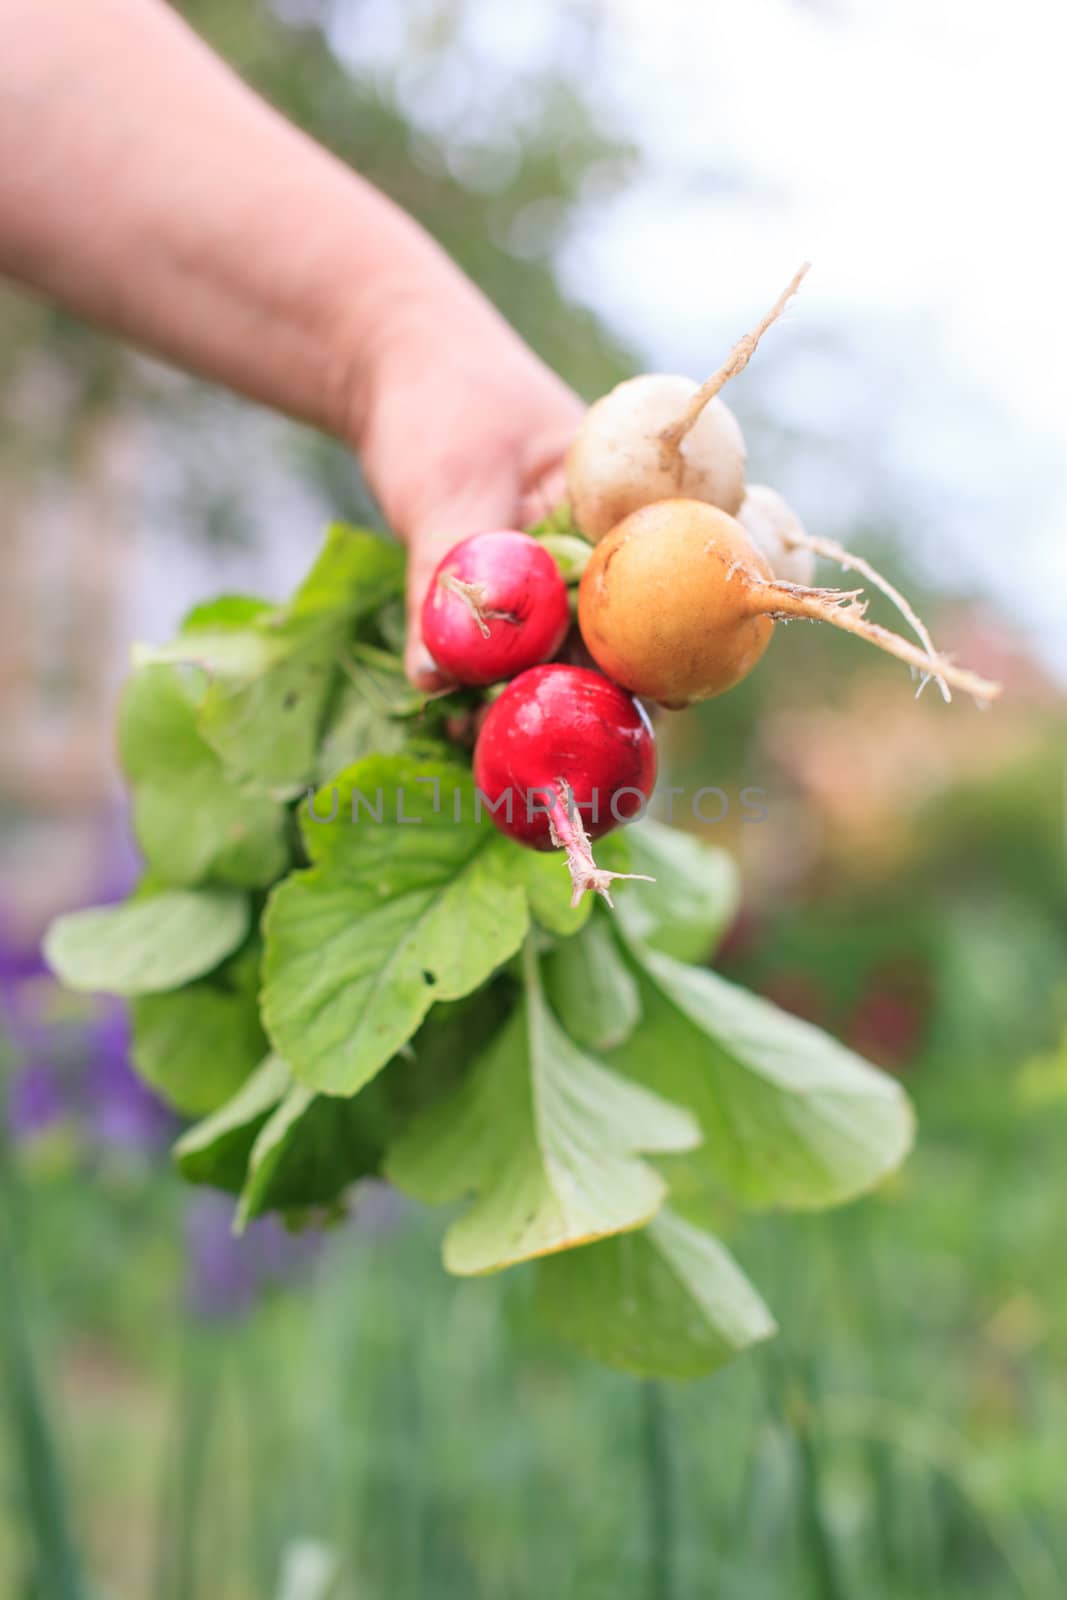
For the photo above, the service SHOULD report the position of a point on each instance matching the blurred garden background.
(190, 1417)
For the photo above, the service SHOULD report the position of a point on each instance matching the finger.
(473, 512)
(544, 479)
(544, 496)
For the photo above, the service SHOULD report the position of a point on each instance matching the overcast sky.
(914, 152)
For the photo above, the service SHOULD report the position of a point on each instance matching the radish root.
(843, 609)
(568, 833)
(830, 550)
(474, 597)
(672, 438)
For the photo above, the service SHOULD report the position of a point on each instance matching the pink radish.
(495, 606)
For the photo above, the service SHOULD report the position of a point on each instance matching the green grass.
(49, 1566)
(901, 1440)
(425, 1437)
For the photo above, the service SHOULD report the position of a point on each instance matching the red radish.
(563, 757)
(495, 606)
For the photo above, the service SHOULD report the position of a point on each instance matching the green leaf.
(355, 573)
(393, 915)
(282, 1147)
(543, 875)
(265, 725)
(390, 625)
(216, 646)
(216, 1151)
(225, 612)
(546, 1139)
(197, 1045)
(790, 1117)
(356, 728)
(667, 1301)
(271, 673)
(146, 945)
(591, 988)
(560, 520)
(370, 714)
(453, 1035)
(693, 900)
(311, 1149)
(190, 821)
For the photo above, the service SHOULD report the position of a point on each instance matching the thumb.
(477, 509)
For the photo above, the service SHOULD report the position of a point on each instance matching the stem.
(672, 438)
(832, 551)
(568, 833)
(840, 607)
(570, 553)
(659, 1493)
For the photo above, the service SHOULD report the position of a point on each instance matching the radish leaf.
(790, 1117)
(401, 908)
(309, 1150)
(590, 987)
(197, 1045)
(216, 1151)
(372, 712)
(160, 941)
(688, 908)
(191, 822)
(271, 673)
(668, 1301)
(546, 1139)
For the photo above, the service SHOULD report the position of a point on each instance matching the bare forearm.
(143, 186)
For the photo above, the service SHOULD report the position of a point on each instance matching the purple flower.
(71, 1056)
(35, 1095)
(119, 1110)
(226, 1274)
(72, 1063)
(35, 1100)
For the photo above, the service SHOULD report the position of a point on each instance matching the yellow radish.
(678, 605)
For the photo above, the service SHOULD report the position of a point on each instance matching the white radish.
(617, 463)
(778, 533)
(663, 437)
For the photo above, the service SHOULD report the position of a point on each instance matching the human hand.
(462, 429)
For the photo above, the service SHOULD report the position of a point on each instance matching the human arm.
(147, 189)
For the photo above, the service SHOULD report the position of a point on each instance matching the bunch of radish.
(688, 569)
